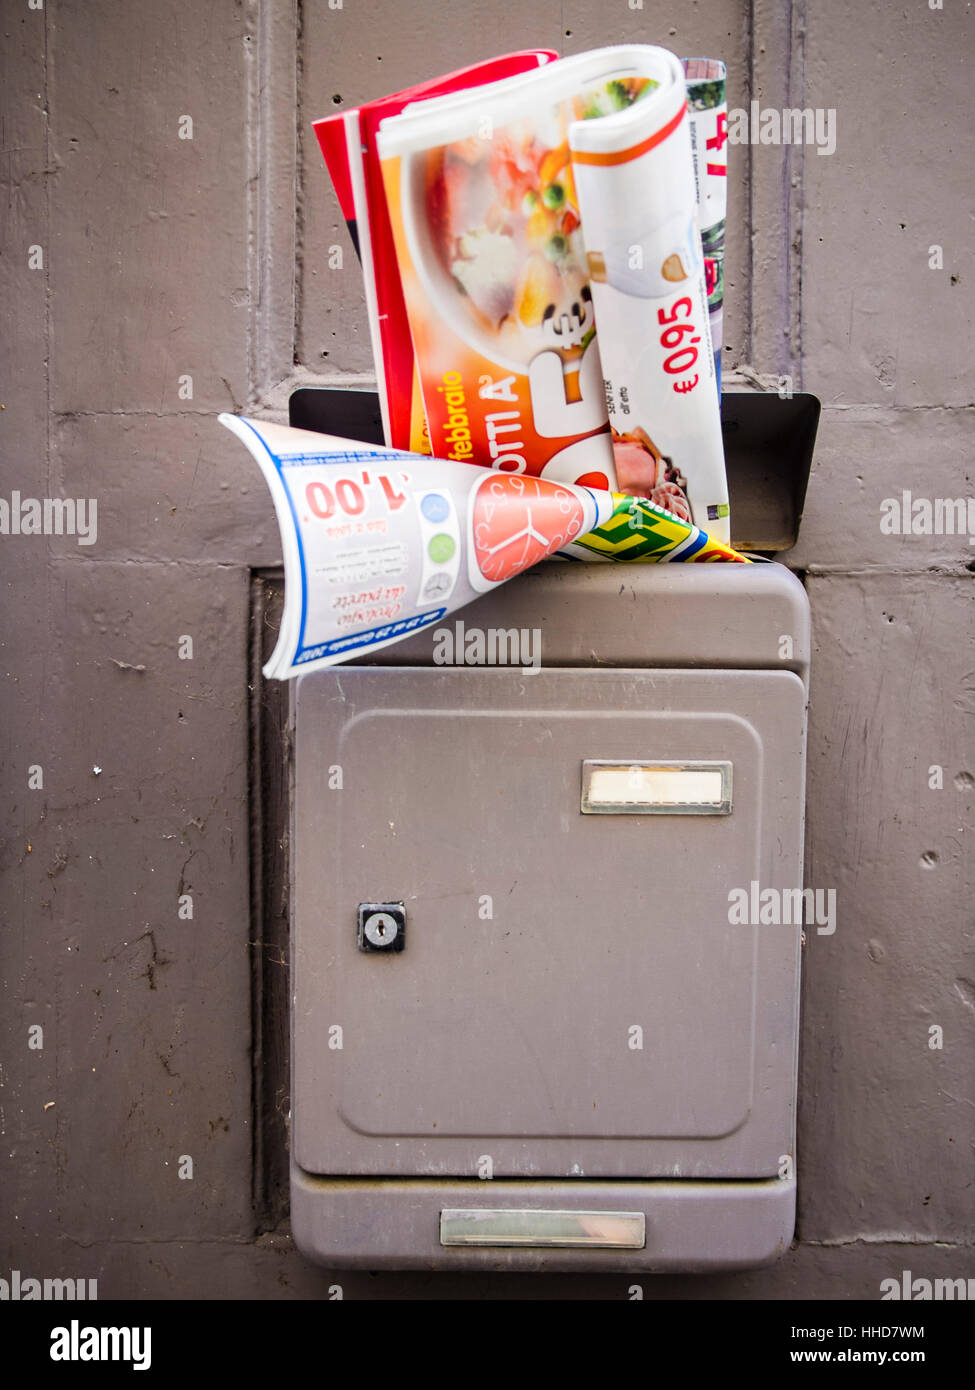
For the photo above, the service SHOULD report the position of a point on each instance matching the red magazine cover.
(348, 144)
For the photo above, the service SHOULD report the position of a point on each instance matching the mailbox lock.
(380, 929)
(382, 926)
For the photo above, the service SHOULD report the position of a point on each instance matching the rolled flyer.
(637, 529)
(708, 110)
(634, 178)
(379, 543)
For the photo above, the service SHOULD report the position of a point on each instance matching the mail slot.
(576, 1056)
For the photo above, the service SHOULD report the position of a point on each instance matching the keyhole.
(381, 929)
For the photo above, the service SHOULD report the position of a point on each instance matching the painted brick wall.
(165, 254)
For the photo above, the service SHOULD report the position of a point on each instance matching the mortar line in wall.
(148, 561)
(748, 354)
(785, 196)
(48, 308)
(299, 246)
(276, 567)
(256, 885)
(907, 409)
(883, 572)
(366, 381)
(251, 200)
(47, 238)
(795, 192)
(888, 1238)
(63, 416)
(178, 1241)
(770, 56)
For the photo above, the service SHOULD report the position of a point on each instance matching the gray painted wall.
(164, 258)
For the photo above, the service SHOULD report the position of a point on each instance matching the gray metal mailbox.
(528, 1030)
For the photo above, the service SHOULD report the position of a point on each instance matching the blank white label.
(608, 1230)
(679, 788)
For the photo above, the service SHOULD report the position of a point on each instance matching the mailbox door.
(577, 994)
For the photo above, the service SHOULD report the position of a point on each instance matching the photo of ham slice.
(643, 471)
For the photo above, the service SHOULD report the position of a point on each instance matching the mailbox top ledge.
(729, 617)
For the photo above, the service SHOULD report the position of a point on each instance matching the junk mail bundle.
(541, 304)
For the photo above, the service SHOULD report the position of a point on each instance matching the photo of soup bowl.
(513, 344)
